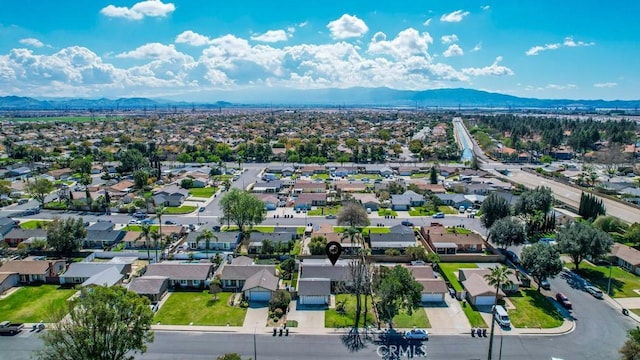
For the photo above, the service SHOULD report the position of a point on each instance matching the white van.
(501, 316)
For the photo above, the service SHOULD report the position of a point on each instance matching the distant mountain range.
(446, 98)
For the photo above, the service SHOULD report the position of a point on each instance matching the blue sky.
(200, 49)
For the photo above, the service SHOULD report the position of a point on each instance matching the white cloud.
(561, 87)
(485, 7)
(605, 85)
(453, 50)
(449, 39)
(150, 8)
(407, 43)
(192, 38)
(154, 51)
(478, 47)
(569, 42)
(32, 42)
(455, 16)
(494, 69)
(271, 36)
(347, 26)
(427, 22)
(303, 24)
(537, 49)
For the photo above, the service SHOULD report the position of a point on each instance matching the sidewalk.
(565, 328)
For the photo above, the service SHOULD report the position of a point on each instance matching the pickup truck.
(7, 327)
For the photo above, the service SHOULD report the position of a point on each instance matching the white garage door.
(485, 300)
(259, 296)
(432, 297)
(313, 300)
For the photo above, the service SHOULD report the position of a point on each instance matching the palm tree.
(353, 234)
(159, 212)
(207, 235)
(498, 277)
(145, 233)
(156, 236)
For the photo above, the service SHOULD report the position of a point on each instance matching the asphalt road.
(196, 346)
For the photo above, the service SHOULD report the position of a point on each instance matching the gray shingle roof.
(147, 285)
(180, 271)
(244, 272)
(326, 271)
(263, 279)
(314, 287)
(107, 277)
(87, 269)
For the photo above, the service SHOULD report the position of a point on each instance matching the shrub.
(280, 300)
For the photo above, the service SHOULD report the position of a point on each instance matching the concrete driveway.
(447, 319)
(307, 316)
(257, 314)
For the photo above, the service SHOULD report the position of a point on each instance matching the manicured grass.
(447, 210)
(34, 303)
(450, 271)
(635, 311)
(622, 282)
(385, 212)
(365, 230)
(419, 176)
(56, 205)
(324, 210)
(139, 228)
(222, 178)
(417, 319)
(206, 192)
(533, 310)
(473, 315)
(320, 177)
(420, 211)
(333, 319)
(264, 229)
(292, 323)
(457, 230)
(199, 308)
(297, 248)
(365, 176)
(34, 224)
(184, 209)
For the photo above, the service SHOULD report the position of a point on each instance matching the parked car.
(133, 222)
(417, 334)
(594, 291)
(330, 217)
(513, 257)
(406, 223)
(439, 215)
(7, 327)
(563, 300)
(23, 201)
(545, 284)
(169, 222)
(147, 222)
(202, 209)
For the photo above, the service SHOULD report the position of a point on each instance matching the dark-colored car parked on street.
(563, 300)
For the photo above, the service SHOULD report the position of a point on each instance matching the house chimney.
(51, 272)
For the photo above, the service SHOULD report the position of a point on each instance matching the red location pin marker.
(334, 250)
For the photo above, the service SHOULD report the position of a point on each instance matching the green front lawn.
(365, 230)
(333, 319)
(622, 282)
(418, 319)
(324, 210)
(450, 271)
(264, 229)
(206, 192)
(385, 212)
(320, 177)
(447, 210)
(34, 224)
(420, 211)
(457, 230)
(139, 228)
(473, 315)
(533, 310)
(199, 308)
(56, 205)
(34, 303)
(184, 209)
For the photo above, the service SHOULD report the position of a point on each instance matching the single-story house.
(350, 186)
(183, 275)
(478, 188)
(314, 291)
(406, 200)
(399, 240)
(35, 271)
(444, 242)
(124, 186)
(172, 195)
(433, 288)
(307, 200)
(102, 238)
(310, 170)
(60, 173)
(110, 276)
(345, 171)
(271, 187)
(8, 280)
(348, 248)
(17, 172)
(270, 201)
(257, 240)
(234, 275)
(455, 200)
(17, 235)
(80, 272)
(368, 201)
(153, 287)
(626, 257)
(479, 292)
(199, 182)
(407, 170)
(226, 241)
(339, 274)
(309, 187)
(260, 286)
(285, 170)
(6, 225)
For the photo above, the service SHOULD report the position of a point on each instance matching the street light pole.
(255, 348)
(609, 283)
